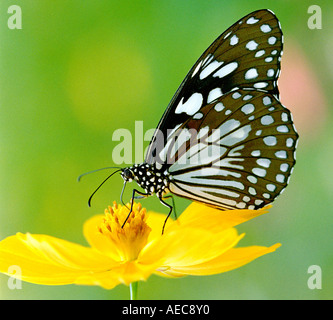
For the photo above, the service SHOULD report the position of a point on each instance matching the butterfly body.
(225, 139)
(149, 178)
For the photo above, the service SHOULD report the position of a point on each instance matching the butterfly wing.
(239, 154)
(245, 56)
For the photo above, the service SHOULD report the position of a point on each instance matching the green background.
(79, 70)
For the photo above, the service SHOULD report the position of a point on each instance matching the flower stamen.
(132, 237)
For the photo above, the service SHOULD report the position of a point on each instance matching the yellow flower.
(200, 242)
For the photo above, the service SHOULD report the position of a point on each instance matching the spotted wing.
(237, 152)
(245, 56)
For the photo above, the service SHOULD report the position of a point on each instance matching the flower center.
(130, 239)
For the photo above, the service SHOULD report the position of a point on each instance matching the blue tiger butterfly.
(225, 139)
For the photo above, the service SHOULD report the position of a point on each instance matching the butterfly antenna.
(84, 174)
(89, 201)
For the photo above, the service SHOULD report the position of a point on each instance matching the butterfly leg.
(121, 196)
(173, 204)
(141, 196)
(170, 210)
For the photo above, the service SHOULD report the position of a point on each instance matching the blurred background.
(79, 70)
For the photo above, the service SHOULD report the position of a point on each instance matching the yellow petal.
(188, 246)
(156, 221)
(97, 240)
(197, 215)
(125, 273)
(232, 259)
(48, 260)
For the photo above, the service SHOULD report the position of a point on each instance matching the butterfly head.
(127, 174)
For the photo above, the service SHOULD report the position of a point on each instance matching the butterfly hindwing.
(239, 154)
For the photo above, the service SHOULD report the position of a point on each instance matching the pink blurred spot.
(301, 92)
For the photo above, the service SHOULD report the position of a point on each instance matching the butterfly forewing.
(242, 56)
(247, 55)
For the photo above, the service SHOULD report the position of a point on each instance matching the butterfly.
(225, 139)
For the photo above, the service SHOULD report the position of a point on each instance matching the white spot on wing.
(259, 172)
(234, 40)
(227, 69)
(267, 120)
(270, 141)
(260, 85)
(251, 45)
(289, 142)
(284, 167)
(241, 205)
(214, 94)
(281, 154)
(270, 73)
(209, 69)
(248, 108)
(259, 53)
(272, 40)
(219, 107)
(198, 116)
(246, 198)
(247, 97)
(284, 117)
(196, 69)
(258, 132)
(270, 187)
(265, 28)
(282, 129)
(191, 106)
(266, 101)
(251, 74)
(252, 20)
(264, 162)
(227, 35)
(280, 178)
(252, 179)
(236, 95)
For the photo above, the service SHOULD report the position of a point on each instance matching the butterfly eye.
(127, 174)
